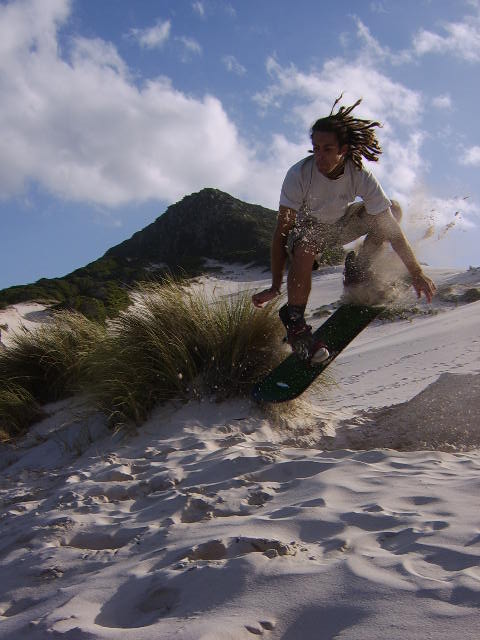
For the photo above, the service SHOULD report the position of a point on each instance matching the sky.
(112, 110)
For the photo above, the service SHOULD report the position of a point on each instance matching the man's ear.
(344, 150)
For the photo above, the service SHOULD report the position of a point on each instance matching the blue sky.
(112, 110)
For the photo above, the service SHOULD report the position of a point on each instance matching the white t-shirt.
(312, 194)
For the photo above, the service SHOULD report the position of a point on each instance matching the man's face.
(328, 155)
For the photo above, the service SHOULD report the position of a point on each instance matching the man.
(315, 214)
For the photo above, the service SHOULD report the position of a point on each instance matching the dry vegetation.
(175, 342)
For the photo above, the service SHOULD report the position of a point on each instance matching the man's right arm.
(285, 222)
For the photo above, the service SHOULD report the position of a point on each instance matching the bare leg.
(300, 275)
(373, 243)
(370, 248)
(299, 334)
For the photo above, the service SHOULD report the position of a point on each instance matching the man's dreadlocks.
(358, 134)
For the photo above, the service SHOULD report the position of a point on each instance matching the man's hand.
(266, 295)
(422, 284)
(285, 223)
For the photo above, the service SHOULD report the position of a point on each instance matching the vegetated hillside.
(207, 224)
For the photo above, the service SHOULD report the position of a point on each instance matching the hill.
(208, 224)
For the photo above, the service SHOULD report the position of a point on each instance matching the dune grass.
(175, 342)
(18, 411)
(178, 342)
(49, 362)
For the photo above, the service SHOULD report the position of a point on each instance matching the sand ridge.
(212, 522)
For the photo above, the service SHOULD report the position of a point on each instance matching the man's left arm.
(390, 230)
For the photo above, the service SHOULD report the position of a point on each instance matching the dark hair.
(358, 134)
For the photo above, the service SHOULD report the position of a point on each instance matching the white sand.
(212, 523)
(27, 315)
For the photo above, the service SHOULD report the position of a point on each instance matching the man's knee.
(303, 252)
(396, 210)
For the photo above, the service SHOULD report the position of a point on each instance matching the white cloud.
(310, 95)
(83, 130)
(377, 7)
(80, 127)
(98, 53)
(427, 42)
(230, 10)
(316, 90)
(153, 37)
(373, 50)
(442, 102)
(199, 8)
(401, 164)
(31, 23)
(460, 38)
(233, 65)
(190, 47)
(471, 157)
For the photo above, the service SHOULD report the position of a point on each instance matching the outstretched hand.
(422, 284)
(266, 295)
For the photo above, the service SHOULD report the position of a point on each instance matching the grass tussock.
(177, 342)
(18, 411)
(49, 363)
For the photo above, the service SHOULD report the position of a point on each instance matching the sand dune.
(358, 520)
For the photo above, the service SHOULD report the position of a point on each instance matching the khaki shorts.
(319, 237)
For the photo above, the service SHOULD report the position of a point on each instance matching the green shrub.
(178, 342)
(49, 362)
(18, 411)
(91, 308)
(470, 295)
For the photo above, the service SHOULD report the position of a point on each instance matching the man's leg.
(356, 223)
(374, 242)
(299, 284)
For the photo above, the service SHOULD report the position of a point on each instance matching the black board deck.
(293, 376)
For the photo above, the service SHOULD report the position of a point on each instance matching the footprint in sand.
(140, 467)
(211, 550)
(315, 502)
(160, 601)
(115, 473)
(263, 625)
(259, 497)
(232, 440)
(123, 486)
(450, 560)
(240, 546)
(19, 606)
(207, 507)
(371, 521)
(399, 541)
(423, 500)
(197, 509)
(106, 538)
(138, 603)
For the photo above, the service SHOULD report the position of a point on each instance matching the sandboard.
(293, 375)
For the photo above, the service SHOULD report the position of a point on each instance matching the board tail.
(293, 376)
